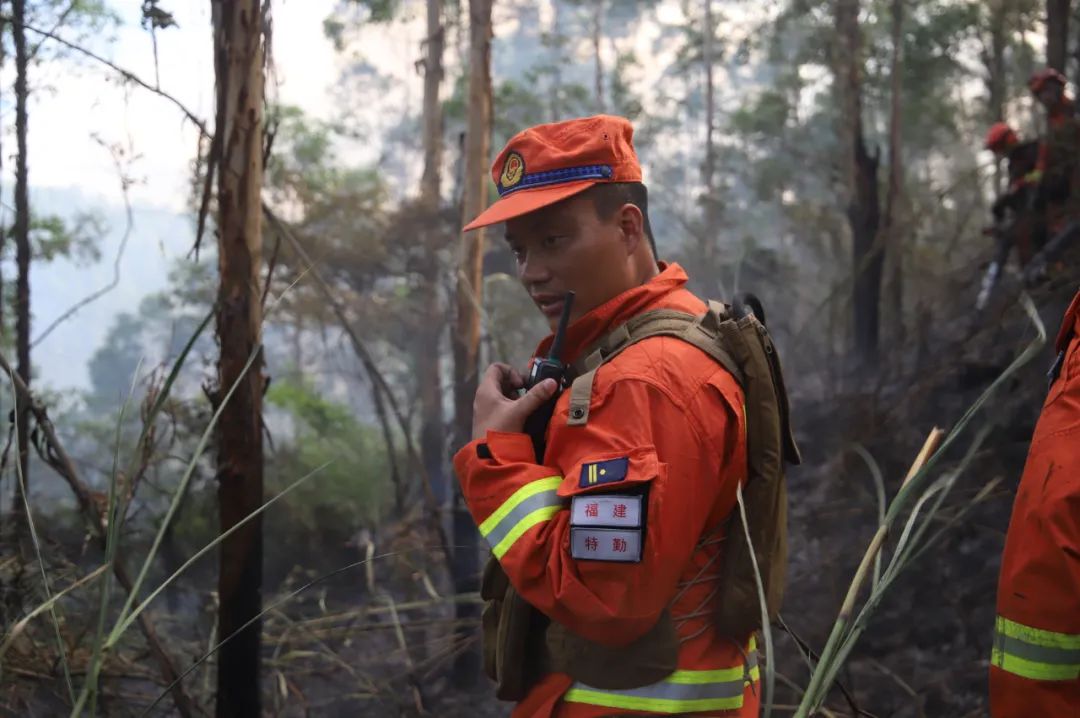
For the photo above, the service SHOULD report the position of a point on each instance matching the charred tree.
(466, 564)
(711, 204)
(22, 249)
(894, 238)
(861, 173)
(1057, 33)
(993, 58)
(994, 42)
(433, 420)
(238, 64)
(3, 230)
(1076, 45)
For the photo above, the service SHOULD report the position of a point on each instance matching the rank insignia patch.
(513, 170)
(604, 472)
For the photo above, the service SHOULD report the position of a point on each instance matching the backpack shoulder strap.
(702, 331)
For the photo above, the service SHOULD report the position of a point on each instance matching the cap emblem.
(513, 170)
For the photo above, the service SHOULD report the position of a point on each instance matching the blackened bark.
(893, 235)
(238, 63)
(860, 168)
(22, 246)
(428, 354)
(868, 257)
(466, 563)
(1057, 33)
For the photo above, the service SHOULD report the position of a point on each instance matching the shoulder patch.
(601, 544)
(604, 472)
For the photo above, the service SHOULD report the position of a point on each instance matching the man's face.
(1050, 94)
(567, 247)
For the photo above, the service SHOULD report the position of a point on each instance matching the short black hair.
(608, 197)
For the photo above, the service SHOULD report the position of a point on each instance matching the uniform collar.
(620, 308)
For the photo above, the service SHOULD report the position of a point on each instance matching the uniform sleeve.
(638, 442)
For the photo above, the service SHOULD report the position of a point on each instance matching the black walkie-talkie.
(549, 367)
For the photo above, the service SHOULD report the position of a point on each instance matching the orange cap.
(1040, 78)
(548, 163)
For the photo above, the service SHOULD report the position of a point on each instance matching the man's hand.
(494, 410)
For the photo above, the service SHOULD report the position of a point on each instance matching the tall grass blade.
(766, 628)
(32, 527)
(174, 505)
(882, 501)
(159, 403)
(112, 534)
(123, 625)
(272, 607)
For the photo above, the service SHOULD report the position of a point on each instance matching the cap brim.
(525, 201)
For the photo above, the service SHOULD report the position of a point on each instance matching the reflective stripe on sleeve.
(681, 692)
(533, 503)
(1035, 653)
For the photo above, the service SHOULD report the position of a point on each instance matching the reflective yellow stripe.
(655, 705)
(533, 503)
(521, 527)
(1035, 670)
(1035, 653)
(530, 489)
(689, 678)
(1038, 636)
(681, 692)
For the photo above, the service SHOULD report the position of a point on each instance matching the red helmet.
(1000, 136)
(1040, 78)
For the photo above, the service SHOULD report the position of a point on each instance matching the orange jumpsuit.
(1056, 168)
(1035, 662)
(665, 423)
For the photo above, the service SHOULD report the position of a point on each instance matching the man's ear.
(632, 225)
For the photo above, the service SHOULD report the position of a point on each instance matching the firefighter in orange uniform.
(1035, 662)
(1018, 200)
(1057, 167)
(657, 465)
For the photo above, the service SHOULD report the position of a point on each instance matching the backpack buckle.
(1055, 370)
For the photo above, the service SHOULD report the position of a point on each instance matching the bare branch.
(99, 293)
(126, 74)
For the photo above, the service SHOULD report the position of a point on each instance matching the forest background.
(824, 154)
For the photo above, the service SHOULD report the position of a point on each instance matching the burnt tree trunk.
(993, 59)
(466, 564)
(238, 64)
(711, 201)
(433, 420)
(864, 217)
(1076, 46)
(1057, 33)
(22, 249)
(860, 169)
(3, 230)
(894, 238)
(992, 55)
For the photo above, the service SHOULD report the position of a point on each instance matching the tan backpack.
(738, 341)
